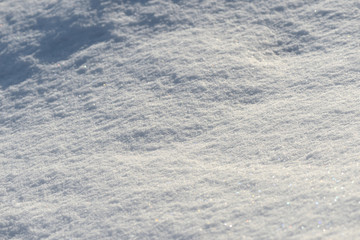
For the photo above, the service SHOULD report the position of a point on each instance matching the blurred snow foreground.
(182, 119)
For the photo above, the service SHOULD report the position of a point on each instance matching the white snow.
(196, 119)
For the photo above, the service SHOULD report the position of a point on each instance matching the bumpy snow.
(182, 119)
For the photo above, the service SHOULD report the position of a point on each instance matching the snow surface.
(182, 119)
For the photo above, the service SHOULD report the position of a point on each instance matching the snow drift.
(179, 119)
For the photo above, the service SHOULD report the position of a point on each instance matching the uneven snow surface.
(182, 119)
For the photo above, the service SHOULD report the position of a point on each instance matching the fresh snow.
(182, 119)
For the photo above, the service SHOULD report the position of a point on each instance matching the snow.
(195, 119)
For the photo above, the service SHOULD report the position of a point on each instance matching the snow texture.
(182, 119)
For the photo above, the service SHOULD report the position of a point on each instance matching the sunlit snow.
(182, 119)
